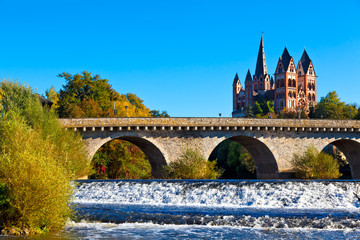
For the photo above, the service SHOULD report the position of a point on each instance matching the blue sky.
(179, 56)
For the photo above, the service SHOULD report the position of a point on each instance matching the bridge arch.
(149, 147)
(351, 150)
(265, 162)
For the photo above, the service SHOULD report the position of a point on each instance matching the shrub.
(191, 164)
(38, 159)
(68, 147)
(38, 187)
(315, 165)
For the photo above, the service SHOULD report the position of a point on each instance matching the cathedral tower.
(307, 81)
(236, 91)
(261, 79)
(286, 84)
(248, 89)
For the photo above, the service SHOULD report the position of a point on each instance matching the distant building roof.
(248, 76)
(305, 61)
(285, 59)
(261, 68)
(44, 101)
(236, 78)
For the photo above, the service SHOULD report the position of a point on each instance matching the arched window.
(261, 86)
(313, 97)
(309, 97)
(282, 83)
(289, 82)
(313, 86)
(289, 94)
(309, 86)
(294, 94)
(294, 83)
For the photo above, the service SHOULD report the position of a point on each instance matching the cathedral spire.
(261, 62)
(236, 79)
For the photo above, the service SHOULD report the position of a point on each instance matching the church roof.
(248, 76)
(285, 59)
(236, 78)
(305, 61)
(261, 62)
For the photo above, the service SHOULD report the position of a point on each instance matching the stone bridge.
(271, 142)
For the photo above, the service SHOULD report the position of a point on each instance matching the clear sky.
(179, 56)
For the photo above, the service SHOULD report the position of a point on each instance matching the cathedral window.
(289, 82)
(289, 94)
(311, 71)
(313, 97)
(261, 86)
(309, 97)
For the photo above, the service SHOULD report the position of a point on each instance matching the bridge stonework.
(271, 142)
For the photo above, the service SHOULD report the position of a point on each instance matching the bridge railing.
(202, 124)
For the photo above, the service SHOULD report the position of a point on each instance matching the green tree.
(53, 96)
(84, 87)
(330, 107)
(120, 160)
(240, 160)
(249, 111)
(235, 160)
(258, 110)
(156, 113)
(315, 165)
(85, 95)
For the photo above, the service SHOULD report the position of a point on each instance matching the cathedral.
(291, 89)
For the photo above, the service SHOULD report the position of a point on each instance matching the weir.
(271, 142)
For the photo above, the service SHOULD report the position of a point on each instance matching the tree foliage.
(235, 160)
(85, 95)
(292, 114)
(157, 113)
(38, 158)
(330, 107)
(315, 165)
(120, 160)
(191, 164)
(53, 96)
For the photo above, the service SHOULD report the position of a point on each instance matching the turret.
(307, 80)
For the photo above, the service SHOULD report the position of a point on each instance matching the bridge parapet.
(223, 124)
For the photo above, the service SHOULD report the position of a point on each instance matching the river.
(214, 209)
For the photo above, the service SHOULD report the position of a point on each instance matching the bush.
(192, 165)
(315, 165)
(68, 147)
(38, 159)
